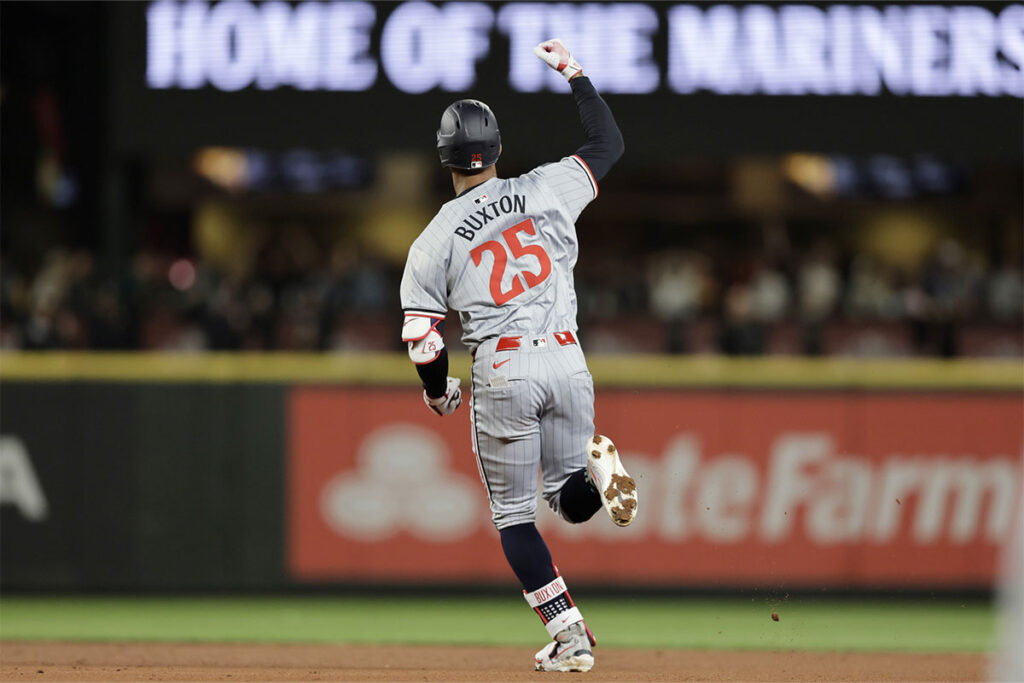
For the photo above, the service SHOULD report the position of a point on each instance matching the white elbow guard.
(425, 342)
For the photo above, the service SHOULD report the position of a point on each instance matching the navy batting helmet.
(468, 137)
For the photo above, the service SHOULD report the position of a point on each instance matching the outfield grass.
(620, 622)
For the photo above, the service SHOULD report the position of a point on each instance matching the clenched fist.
(557, 56)
(446, 404)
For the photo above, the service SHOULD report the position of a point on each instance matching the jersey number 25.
(501, 261)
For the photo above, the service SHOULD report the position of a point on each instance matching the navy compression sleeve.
(434, 375)
(604, 143)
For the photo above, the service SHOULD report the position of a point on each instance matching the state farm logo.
(803, 488)
(807, 489)
(402, 482)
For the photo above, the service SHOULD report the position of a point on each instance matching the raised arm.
(604, 143)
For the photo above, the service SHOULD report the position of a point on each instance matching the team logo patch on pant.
(564, 338)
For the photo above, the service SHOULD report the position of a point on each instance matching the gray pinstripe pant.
(534, 410)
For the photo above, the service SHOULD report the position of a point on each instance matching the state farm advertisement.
(737, 488)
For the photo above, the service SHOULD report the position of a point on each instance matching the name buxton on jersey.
(505, 204)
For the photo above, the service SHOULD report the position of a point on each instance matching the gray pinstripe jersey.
(502, 254)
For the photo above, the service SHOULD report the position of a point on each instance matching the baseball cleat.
(612, 481)
(570, 651)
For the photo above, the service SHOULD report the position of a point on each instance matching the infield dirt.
(41, 661)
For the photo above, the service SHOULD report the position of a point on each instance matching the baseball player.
(502, 254)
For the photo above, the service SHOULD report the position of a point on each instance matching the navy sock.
(528, 555)
(578, 499)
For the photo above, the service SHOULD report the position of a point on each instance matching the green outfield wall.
(155, 471)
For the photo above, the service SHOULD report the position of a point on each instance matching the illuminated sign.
(729, 49)
(847, 50)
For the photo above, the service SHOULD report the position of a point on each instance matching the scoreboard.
(683, 78)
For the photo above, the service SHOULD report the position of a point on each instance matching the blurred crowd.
(171, 303)
(822, 301)
(815, 301)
